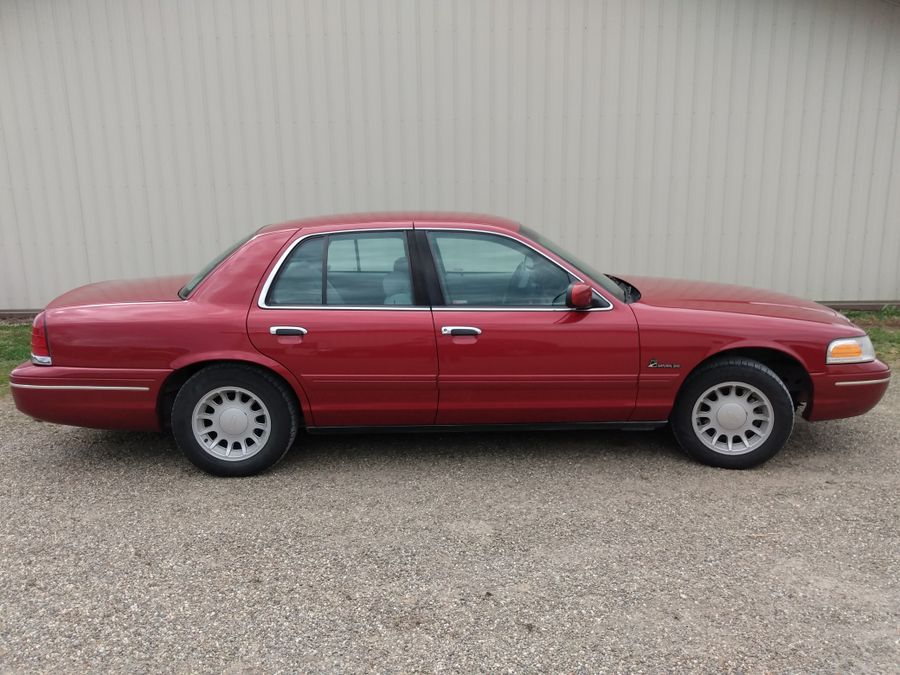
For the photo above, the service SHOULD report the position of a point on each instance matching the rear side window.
(359, 269)
(299, 281)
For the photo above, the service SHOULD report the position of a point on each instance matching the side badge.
(656, 364)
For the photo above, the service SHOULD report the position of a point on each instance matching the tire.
(750, 414)
(234, 420)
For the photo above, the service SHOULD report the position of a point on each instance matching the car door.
(342, 313)
(510, 351)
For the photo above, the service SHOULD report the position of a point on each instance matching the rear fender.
(249, 357)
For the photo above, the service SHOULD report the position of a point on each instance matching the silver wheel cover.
(231, 423)
(733, 418)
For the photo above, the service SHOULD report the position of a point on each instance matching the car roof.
(389, 218)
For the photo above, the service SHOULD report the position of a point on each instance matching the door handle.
(287, 330)
(460, 330)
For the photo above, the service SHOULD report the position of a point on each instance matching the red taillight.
(40, 348)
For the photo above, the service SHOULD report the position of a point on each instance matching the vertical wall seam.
(73, 148)
(878, 115)
(809, 268)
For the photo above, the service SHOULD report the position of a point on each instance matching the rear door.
(343, 314)
(510, 351)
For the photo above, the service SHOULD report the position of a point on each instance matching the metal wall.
(735, 140)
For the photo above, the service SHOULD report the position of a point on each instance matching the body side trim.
(856, 383)
(77, 387)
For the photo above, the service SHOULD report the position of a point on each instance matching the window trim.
(261, 300)
(505, 308)
(416, 260)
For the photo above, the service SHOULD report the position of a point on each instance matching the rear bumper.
(847, 390)
(103, 398)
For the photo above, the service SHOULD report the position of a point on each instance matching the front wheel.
(234, 420)
(733, 413)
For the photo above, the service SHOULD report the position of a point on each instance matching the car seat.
(397, 287)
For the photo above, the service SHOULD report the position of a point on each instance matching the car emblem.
(656, 364)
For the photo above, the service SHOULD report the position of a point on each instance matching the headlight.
(850, 350)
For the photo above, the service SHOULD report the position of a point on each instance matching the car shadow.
(507, 445)
(116, 450)
(89, 449)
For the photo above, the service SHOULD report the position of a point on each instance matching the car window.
(361, 269)
(365, 253)
(489, 270)
(604, 280)
(189, 287)
(299, 281)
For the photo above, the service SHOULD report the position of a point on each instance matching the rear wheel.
(234, 420)
(734, 413)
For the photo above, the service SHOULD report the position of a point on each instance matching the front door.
(510, 351)
(342, 314)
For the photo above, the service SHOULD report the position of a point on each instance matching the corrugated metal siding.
(733, 140)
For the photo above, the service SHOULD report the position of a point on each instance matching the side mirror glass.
(579, 296)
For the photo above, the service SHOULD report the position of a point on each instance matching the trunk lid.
(154, 289)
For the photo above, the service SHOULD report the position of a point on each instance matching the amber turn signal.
(850, 350)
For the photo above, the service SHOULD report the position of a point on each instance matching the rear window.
(189, 287)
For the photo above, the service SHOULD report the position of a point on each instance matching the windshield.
(189, 287)
(608, 284)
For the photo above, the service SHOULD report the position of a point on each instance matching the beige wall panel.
(745, 141)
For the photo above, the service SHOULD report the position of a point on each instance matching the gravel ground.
(530, 552)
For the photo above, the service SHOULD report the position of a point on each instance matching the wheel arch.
(183, 369)
(787, 366)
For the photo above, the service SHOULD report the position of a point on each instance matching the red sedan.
(436, 322)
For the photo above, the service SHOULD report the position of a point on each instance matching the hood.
(155, 289)
(708, 296)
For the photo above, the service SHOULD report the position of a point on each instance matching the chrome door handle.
(287, 330)
(460, 330)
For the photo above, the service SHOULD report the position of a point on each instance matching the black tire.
(269, 389)
(726, 370)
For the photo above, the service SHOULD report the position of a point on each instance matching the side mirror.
(579, 296)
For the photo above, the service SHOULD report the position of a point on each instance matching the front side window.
(358, 269)
(605, 281)
(484, 270)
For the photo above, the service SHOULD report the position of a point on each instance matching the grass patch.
(883, 327)
(15, 347)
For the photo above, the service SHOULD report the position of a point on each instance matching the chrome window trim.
(482, 308)
(524, 308)
(420, 308)
(261, 300)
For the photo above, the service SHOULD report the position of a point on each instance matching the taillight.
(40, 348)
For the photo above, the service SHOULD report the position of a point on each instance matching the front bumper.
(103, 398)
(847, 390)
